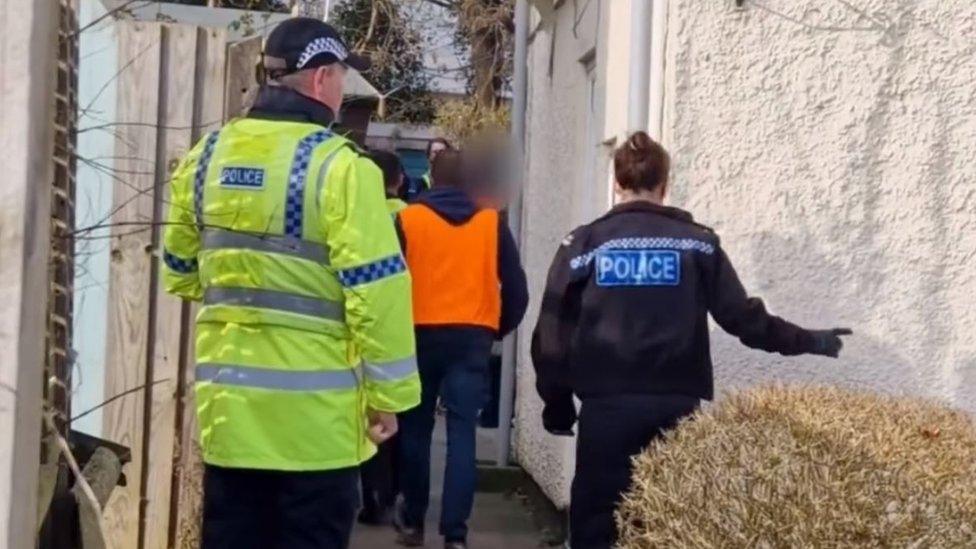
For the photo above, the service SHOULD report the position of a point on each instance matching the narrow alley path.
(499, 521)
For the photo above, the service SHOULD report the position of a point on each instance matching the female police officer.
(624, 327)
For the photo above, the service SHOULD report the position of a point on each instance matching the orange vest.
(454, 268)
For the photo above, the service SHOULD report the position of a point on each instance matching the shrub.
(807, 467)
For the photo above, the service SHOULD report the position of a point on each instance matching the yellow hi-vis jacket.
(281, 229)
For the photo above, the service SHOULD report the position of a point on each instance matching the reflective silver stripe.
(215, 239)
(275, 379)
(279, 301)
(323, 171)
(391, 371)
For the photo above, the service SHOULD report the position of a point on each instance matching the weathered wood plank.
(211, 72)
(128, 319)
(176, 96)
(208, 117)
(242, 85)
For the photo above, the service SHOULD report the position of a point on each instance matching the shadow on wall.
(964, 392)
(820, 297)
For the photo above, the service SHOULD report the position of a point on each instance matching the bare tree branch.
(117, 397)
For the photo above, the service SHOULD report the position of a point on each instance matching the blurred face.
(436, 149)
(328, 84)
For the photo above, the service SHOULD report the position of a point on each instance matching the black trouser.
(611, 431)
(381, 479)
(247, 508)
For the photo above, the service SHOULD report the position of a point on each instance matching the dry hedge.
(807, 467)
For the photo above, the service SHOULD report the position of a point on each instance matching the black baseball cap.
(304, 43)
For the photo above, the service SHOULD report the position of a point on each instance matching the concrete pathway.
(499, 521)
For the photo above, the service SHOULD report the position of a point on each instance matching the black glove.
(828, 342)
(558, 417)
(562, 433)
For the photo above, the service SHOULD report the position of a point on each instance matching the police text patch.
(242, 178)
(638, 268)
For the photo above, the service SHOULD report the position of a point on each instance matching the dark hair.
(440, 140)
(447, 169)
(389, 164)
(641, 164)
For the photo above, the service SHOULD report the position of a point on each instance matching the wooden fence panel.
(176, 95)
(211, 69)
(241, 85)
(171, 93)
(186, 486)
(128, 318)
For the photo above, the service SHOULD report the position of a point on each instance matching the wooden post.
(28, 30)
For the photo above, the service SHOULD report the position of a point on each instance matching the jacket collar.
(280, 103)
(452, 204)
(650, 207)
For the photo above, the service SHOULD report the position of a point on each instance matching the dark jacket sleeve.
(551, 343)
(401, 236)
(515, 289)
(746, 317)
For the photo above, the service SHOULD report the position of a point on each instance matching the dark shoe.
(370, 512)
(372, 516)
(455, 545)
(373, 513)
(408, 536)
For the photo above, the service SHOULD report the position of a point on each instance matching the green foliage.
(395, 46)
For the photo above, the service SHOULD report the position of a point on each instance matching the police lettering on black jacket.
(625, 311)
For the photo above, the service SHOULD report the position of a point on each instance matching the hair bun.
(640, 141)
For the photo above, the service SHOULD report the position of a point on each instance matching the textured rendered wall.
(553, 204)
(833, 147)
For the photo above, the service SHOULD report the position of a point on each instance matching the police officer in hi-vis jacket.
(304, 341)
(624, 327)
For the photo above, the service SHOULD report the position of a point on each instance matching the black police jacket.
(625, 311)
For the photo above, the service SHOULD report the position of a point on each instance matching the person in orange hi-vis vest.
(469, 289)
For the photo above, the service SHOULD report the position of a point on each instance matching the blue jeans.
(453, 364)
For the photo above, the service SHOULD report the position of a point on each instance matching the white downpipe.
(640, 65)
(506, 399)
(659, 30)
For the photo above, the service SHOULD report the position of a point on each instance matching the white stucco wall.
(558, 196)
(833, 147)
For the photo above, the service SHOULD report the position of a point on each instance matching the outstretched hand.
(828, 342)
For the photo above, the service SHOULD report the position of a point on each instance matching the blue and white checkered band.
(178, 264)
(295, 199)
(200, 175)
(371, 272)
(640, 243)
(322, 45)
